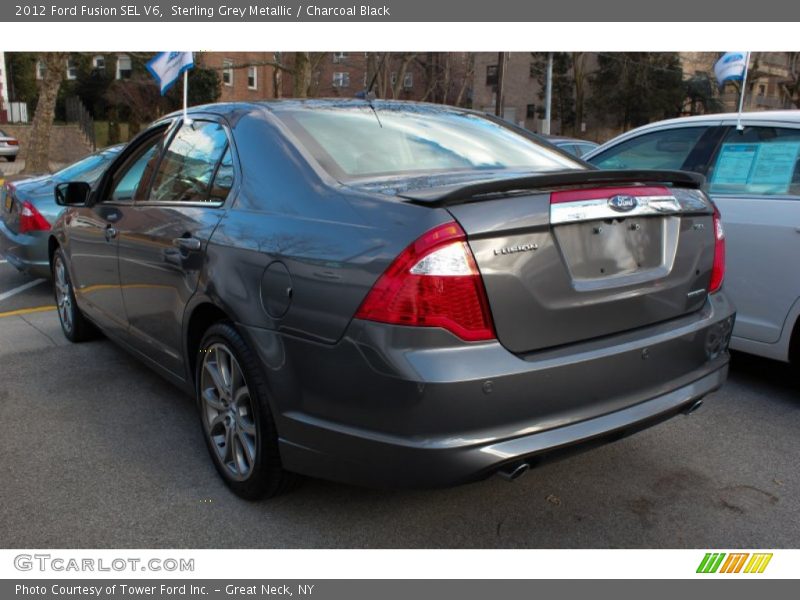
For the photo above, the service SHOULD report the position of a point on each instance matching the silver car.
(9, 146)
(754, 178)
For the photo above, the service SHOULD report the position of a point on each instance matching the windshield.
(355, 142)
(88, 169)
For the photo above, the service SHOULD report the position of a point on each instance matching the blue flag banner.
(166, 67)
(731, 66)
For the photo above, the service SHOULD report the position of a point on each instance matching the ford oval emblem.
(623, 203)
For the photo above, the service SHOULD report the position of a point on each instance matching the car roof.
(567, 140)
(766, 116)
(284, 104)
(762, 115)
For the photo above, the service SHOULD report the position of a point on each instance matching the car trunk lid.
(573, 256)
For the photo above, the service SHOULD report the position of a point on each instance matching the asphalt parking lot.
(96, 451)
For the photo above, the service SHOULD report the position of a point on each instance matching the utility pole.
(548, 95)
(501, 72)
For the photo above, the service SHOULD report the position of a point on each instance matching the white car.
(754, 178)
(9, 146)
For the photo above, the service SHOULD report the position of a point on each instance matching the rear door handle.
(187, 243)
(111, 232)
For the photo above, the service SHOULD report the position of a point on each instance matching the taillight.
(12, 142)
(718, 269)
(433, 283)
(31, 219)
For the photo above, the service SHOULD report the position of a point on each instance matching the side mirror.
(72, 193)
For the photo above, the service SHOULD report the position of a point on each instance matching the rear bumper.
(26, 252)
(379, 410)
(9, 150)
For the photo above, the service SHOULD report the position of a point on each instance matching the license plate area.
(618, 251)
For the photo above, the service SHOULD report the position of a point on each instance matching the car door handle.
(111, 232)
(187, 243)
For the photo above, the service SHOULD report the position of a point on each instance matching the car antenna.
(368, 95)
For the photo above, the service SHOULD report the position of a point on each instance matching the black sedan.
(391, 293)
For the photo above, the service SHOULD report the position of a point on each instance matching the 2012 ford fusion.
(394, 294)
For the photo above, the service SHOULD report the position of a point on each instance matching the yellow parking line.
(26, 311)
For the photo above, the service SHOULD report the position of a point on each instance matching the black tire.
(11, 158)
(76, 327)
(266, 477)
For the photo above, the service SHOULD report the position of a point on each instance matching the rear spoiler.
(459, 193)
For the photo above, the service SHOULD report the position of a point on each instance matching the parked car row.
(393, 293)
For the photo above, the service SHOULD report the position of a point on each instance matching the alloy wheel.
(63, 295)
(227, 411)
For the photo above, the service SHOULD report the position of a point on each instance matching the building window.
(491, 75)
(252, 78)
(341, 79)
(408, 81)
(339, 57)
(530, 111)
(124, 67)
(762, 90)
(227, 72)
(99, 63)
(72, 69)
(41, 69)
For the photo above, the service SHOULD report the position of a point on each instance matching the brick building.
(520, 88)
(766, 79)
(344, 74)
(243, 75)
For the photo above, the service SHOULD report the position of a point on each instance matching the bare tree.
(791, 85)
(579, 77)
(469, 75)
(37, 160)
(405, 60)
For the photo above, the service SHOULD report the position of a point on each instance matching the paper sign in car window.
(734, 164)
(774, 165)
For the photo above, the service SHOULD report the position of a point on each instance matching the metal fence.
(76, 113)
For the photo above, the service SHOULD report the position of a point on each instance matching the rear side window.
(223, 179)
(665, 149)
(761, 161)
(189, 164)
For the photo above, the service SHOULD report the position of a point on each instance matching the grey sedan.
(754, 177)
(394, 294)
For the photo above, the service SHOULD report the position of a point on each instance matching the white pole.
(739, 126)
(186, 119)
(548, 95)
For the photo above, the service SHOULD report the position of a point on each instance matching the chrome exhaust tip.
(514, 471)
(693, 407)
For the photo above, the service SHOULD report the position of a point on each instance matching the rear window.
(355, 142)
(88, 169)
